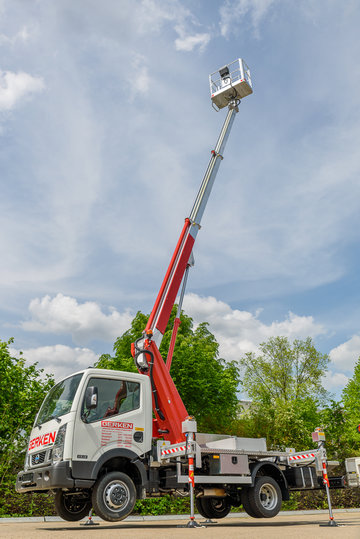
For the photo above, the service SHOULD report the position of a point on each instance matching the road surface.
(292, 526)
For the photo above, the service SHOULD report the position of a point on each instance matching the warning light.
(358, 428)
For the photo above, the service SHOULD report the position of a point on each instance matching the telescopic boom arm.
(169, 409)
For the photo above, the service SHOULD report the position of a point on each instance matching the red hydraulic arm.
(168, 406)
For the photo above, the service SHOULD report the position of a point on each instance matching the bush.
(13, 504)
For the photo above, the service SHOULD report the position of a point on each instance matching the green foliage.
(283, 424)
(31, 504)
(123, 361)
(351, 410)
(166, 505)
(22, 391)
(334, 420)
(284, 371)
(207, 384)
(285, 385)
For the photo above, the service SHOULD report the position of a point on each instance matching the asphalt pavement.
(291, 524)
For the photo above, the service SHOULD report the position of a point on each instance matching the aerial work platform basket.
(230, 82)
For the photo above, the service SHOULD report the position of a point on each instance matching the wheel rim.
(268, 496)
(218, 504)
(73, 505)
(116, 495)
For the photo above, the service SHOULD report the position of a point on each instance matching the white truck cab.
(89, 421)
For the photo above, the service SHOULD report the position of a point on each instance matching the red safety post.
(319, 437)
(189, 428)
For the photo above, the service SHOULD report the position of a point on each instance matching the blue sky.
(106, 127)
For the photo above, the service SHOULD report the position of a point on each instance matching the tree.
(207, 384)
(351, 410)
(22, 391)
(285, 385)
(334, 419)
(284, 371)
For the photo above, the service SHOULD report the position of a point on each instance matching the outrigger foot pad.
(90, 521)
(192, 524)
(331, 523)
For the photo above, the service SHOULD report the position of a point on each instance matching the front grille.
(38, 458)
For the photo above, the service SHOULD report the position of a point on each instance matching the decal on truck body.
(45, 439)
(119, 432)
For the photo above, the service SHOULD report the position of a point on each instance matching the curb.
(151, 518)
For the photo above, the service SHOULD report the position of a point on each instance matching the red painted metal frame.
(169, 400)
(177, 323)
(165, 300)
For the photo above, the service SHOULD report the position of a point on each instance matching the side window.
(115, 397)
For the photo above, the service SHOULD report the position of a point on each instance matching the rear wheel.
(213, 507)
(114, 496)
(264, 499)
(71, 506)
(246, 504)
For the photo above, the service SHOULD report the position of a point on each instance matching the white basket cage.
(230, 82)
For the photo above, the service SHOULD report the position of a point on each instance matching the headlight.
(58, 449)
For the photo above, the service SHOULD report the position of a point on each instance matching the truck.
(103, 439)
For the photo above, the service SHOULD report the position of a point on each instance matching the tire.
(114, 496)
(213, 507)
(246, 504)
(72, 507)
(264, 498)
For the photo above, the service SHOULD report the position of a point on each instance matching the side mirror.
(91, 397)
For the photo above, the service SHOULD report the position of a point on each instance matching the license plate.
(27, 477)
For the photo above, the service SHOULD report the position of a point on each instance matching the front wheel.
(114, 496)
(264, 499)
(213, 507)
(72, 507)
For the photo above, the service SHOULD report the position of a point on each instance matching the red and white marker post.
(319, 436)
(189, 428)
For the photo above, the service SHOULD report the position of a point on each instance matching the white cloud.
(151, 15)
(58, 359)
(233, 11)
(239, 332)
(188, 43)
(15, 86)
(138, 78)
(335, 380)
(63, 315)
(346, 354)
(21, 36)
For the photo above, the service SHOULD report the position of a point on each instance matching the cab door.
(118, 420)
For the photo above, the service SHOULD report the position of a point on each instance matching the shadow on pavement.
(162, 526)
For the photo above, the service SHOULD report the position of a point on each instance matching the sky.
(106, 129)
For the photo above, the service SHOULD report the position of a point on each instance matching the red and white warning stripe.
(302, 456)
(173, 450)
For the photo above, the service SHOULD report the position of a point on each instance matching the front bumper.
(49, 477)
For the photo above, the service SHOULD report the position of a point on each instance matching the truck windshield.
(59, 400)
